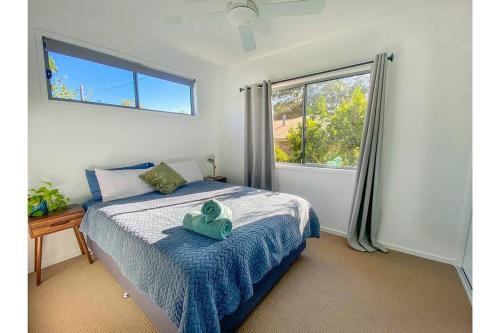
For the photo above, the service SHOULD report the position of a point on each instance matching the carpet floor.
(330, 288)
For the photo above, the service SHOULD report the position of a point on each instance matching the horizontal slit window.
(78, 74)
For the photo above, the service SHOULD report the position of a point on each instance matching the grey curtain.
(365, 210)
(259, 145)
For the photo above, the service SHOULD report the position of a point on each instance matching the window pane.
(335, 117)
(162, 95)
(288, 111)
(82, 80)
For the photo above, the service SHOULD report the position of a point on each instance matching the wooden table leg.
(81, 240)
(75, 229)
(38, 259)
(36, 254)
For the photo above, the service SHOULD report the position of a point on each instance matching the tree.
(336, 91)
(287, 101)
(127, 102)
(280, 154)
(52, 65)
(346, 128)
(332, 136)
(58, 88)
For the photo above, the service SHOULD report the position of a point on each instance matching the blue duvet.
(197, 280)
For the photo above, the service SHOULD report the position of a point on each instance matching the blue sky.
(106, 84)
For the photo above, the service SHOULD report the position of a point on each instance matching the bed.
(187, 282)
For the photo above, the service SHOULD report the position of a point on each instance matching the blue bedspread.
(197, 280)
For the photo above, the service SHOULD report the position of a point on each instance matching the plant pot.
(40, 209)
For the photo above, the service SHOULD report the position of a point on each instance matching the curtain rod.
(390, 58)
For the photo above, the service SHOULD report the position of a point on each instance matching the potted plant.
(45, 199)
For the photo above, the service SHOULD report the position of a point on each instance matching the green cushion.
(163, 178)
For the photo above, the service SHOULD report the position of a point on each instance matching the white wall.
(427, 138)
(65, 138)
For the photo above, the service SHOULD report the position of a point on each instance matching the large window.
(78, 74)
(319, 121)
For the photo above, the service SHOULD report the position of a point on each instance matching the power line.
(120, 85)
(117, 86)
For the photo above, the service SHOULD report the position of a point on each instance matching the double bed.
(186, 282)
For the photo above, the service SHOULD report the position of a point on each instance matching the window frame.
(303, 82)
(116, 62)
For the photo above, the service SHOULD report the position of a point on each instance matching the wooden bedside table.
(221, 179)
(48, 224)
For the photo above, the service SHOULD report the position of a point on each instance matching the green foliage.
(58, 88)
(54, 199)
(295, 138)
(280, 154)
(331, 137)
(346, 128)
(287, 101)
(319, 108)
(127, 102)
(52, 65)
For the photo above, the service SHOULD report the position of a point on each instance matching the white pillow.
(188, 170)
(119, 184)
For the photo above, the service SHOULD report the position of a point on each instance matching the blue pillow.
(95, 190)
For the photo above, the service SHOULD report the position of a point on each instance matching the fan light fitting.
(242, 13)
(245, 15)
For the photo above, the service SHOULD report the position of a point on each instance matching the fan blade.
(195, 17)
(291, 8)
(247, 37)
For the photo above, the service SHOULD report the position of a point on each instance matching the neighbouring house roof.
(281, 131)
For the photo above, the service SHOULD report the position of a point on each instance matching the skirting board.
(333, 231)
(465, 283)
(54, 260)
(450, 261)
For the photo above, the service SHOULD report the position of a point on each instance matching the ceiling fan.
(246, 14)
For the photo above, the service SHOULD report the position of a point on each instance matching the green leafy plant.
(332, 137)
(52, 198)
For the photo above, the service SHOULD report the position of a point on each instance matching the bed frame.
(229, 323)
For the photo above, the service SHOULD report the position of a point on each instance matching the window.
(78, 74)
(319, 121)
(162, 95)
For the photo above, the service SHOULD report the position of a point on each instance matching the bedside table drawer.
(45, 229)
(43, 225)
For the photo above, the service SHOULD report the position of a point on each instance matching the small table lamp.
(211, 160)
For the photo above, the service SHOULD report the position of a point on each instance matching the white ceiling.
(215, 40)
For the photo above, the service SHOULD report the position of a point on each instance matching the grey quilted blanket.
(197, 280)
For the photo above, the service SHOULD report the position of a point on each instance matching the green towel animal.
(214, 210)
(197, 222)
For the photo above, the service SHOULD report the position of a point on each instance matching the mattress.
(196, 280)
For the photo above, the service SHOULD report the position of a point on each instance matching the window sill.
(314, 169)
(134, 108)
(56, 102)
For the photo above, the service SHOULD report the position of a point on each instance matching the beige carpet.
(331, 288)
